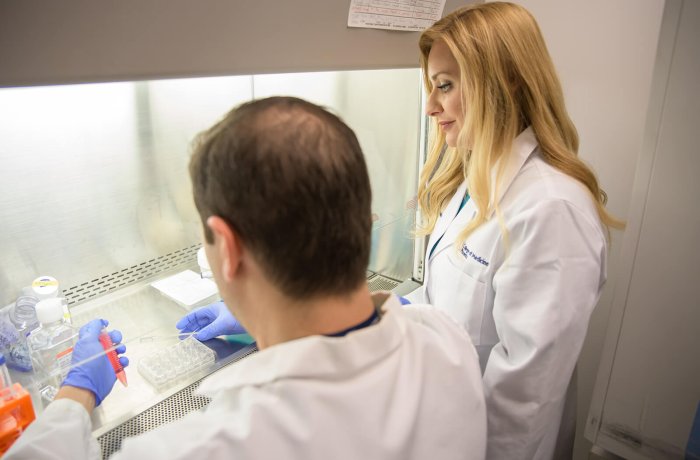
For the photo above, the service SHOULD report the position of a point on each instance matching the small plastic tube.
(5, 381)
(106, 342)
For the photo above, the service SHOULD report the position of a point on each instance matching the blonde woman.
(517, 223)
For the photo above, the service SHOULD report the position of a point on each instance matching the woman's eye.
(444, 87)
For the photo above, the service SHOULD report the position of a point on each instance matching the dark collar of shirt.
(374, 317)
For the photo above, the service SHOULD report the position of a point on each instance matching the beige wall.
(647, 389)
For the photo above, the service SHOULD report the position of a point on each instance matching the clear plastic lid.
(45, 287)
(49, 310)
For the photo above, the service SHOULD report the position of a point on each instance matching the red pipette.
(106, 342)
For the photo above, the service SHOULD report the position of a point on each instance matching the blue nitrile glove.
(210, 321)
(404, 300)
(96, 375)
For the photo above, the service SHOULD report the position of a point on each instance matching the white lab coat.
(408, 387)
(526, 306)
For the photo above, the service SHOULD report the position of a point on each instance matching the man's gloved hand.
(210, 321)
(96, 375)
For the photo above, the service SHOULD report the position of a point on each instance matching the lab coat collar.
(317, 357)
(523, 146)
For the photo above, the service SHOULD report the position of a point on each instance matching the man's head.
(289, 179)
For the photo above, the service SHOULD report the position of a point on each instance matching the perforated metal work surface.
(172, 408)
(381, 283)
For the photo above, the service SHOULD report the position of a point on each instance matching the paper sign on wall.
(411, 15)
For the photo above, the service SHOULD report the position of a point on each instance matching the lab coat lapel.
(443, 223)
(450, 225)
(458, 224)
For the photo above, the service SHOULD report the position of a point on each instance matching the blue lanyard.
(461, 205)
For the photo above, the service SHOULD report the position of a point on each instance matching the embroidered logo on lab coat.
(466, 252)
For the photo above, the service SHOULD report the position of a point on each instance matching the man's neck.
(278, 319)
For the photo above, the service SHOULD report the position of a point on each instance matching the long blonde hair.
(508, 82)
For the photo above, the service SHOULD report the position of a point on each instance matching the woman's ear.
(227, 248)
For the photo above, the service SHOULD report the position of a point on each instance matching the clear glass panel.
(94, 177)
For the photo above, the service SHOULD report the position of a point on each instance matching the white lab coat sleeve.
(62, 431)
(545, 291)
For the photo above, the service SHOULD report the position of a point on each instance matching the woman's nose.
(432, 108)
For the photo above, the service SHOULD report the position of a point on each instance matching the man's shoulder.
(430, 315)
(435, 325)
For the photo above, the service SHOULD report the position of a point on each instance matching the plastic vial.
(47, 287)
(51, 347)
(23, 314)
(13, 343)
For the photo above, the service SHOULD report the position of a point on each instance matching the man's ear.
(227, 245)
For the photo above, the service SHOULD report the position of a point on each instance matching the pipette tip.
(121, 375)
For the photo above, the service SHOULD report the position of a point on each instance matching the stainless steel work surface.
(140, 311)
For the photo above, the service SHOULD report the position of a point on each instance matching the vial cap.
(49, 310)
(45, 287)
